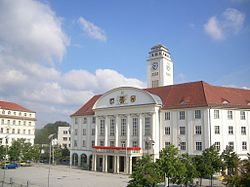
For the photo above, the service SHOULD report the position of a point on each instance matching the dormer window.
(9, 112)
(224, 101)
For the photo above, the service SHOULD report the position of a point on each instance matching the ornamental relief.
(122, 99)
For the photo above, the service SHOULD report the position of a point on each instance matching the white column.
(106, 131)
(97, 124)
(140, 131)
(115, 164)
(117, 120)
(105, 163)
(94, 163)
(130, 165)
(128, 131)
(118, 164)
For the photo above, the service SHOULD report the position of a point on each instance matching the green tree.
(201, 167)
(146, 173)
(190, 169)
(231, 161)
(2, 152)
(15, 150)
(245, 171)
(213, 161)
(170, 164)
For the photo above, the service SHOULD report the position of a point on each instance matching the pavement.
(64, 176)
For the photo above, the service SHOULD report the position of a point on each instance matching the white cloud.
(92, 30)
(230, 22)
(32, 41)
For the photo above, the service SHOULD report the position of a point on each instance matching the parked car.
(10, 166)
(25, 163)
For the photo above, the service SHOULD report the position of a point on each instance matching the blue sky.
(132, 27)
(55, 55)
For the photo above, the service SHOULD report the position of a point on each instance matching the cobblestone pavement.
(63, 176)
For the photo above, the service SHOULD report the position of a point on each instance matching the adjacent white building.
(63, 137)
(112, 130)
(16, 122)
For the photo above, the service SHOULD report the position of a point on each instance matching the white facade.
(16, 125)
(112, 130)
(63, 136)
(160, 67)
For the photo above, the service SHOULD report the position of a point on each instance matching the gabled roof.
(187, 95)
(13, 106)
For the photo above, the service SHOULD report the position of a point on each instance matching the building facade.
(112, 130)
(63, 136)
(17, 122)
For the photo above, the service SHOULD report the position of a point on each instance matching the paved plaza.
(63, 176)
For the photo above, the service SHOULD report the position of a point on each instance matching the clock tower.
(160, 67)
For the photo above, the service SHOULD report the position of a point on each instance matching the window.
(102, 127)
(167, 144)
(231, 144)
(183, 146)
(217, 146)
(216, 129)
(19, 122)
(75, 132)
(167, 130)
(65, 138)
(244, 146)
(93, 132)
(135, 126)
(1, 130)
(8, 131)
(13, 131)
(112, 127)
(14, 122)
(85, 120)
(123, 127)
(24, 122)
(29, 131)
(197, 114)
(155, 83)
(197, 129)
(101, 143)
(182, 130)
(76, 120)
(29, 123)
(198, 146)
(112, 143)
(83, 143)
(167, 115)
(229, 114)
(14, 113)
(75, 143)
(135, 144)
(65, 132)
(2, 121)
(242, 115)
(123, 143)
(93, 120)
(1, 141)
(93, 143)
(25, 114)
(230, 130)
(24, 131)
(3, 111)
(9, 112)
(182, 115)
(18, 131)
(20, 113)
(83, 132)
(8, 122)
(243, 130)
(147, 126)
(216, 114)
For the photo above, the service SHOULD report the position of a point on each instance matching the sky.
(55, 55)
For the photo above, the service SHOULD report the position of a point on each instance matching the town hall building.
(110, 131)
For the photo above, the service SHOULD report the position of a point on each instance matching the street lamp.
(6, 152)
(50, 137)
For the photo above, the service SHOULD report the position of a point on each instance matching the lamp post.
(50, 137)
(6, 152)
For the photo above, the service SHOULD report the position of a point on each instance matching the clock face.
(155, 66)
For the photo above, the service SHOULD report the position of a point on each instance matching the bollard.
(11, 182)
(27, 183)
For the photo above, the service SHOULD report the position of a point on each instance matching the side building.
(63, 136)
(16, 122)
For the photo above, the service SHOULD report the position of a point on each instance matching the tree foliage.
(147, 173)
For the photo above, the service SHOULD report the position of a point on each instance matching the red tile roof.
(187, 95)
(13, 106)
(86, 109)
